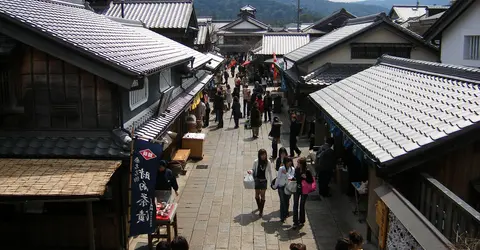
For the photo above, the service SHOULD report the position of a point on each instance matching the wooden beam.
(91, 228)
(60, 51)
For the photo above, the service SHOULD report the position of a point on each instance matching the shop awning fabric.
(55, 177)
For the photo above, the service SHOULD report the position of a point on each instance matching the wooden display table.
(169, 220)
(181, 156)
(194, 142)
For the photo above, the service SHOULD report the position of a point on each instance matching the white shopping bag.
(291, 187)
(249, 181)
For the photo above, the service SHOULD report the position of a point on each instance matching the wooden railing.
(452, 216)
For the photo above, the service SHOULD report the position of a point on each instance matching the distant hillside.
(325, 7)
(268, 11)
(390, 3)
(280, 12)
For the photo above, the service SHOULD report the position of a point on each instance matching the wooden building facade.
(420, 166)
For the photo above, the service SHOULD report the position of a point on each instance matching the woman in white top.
(229, 96)
(262, 174)
(285, 172)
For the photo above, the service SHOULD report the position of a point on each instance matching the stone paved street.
(215, 211)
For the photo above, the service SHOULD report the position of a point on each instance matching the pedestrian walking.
(282, 155)
(255, 120)
(232, 68)
(236, 111)
(206, 119)
(354, 241)
(201, 110)
(285, 173)
(325, 164)
(262, 174)
(267, 103)
(275, 134)
(225, 76)
(219, 106)
(246, 100)
(299, 198)
(294, 132)
(261, 105)
(229, 97)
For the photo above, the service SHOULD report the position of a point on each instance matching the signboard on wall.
(146, 159)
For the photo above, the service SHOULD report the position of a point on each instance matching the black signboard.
(146, 160)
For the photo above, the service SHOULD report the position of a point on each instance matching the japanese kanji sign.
(146, 159)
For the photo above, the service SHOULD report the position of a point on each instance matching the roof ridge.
(64, 3)
(366, 19)
(434, 68)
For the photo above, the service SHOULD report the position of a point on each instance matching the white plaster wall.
(452, 47)
(245, 26)
(382, 34)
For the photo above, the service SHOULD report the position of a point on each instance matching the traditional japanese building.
(204, 42)
(70, 96)
(417, 18)
(241, 35)
(323, 26)
(457, 34)
(171, 18)
(346, 51)
(412, 128)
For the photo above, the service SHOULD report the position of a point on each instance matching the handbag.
(249, 181)
(272, 184)
(247, 124)
(291, 187)
(308, 187)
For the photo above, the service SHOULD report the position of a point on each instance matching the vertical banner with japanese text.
(146, 158)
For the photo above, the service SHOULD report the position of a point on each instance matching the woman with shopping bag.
(262, 174)
(285, 174)
(305, 184)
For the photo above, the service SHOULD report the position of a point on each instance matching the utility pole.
(298, 15)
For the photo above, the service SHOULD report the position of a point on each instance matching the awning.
(55, 177)
(418, 226)
(158, 125)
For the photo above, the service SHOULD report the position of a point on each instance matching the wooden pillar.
(91, 229)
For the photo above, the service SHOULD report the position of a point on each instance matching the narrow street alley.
(216, 212)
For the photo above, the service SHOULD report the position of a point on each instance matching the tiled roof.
(201, 34)
(155, 14)
(328, 19)
(282, 44)
(251, 20)
(332, 73)
(55, 177)
(449, 16)
(406, 12)
(204, 19)
(92, 35)
(353, 28)
(200, 59)
(215, 62)
(57, 145)
(400, 106)
(328, 40)
(157, 126)
(248, 7)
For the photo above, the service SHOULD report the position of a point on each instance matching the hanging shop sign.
(146, 159)
(196, 100)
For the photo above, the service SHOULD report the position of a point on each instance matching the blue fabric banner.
(283, 87)
(146, 160)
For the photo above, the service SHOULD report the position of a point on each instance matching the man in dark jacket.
(165, 179)
(267, 106)
(219, 104)
(294, 131)
(325, 163)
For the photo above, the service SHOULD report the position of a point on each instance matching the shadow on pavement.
(246, 219)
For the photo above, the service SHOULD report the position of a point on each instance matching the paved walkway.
(215, 211)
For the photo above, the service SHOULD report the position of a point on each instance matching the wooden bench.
(181, 156)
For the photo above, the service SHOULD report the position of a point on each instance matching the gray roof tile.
(332, 73)
(93, 35)
(282, 43)
(156, 126)
(202, 34)
(154, 14)
(402, 105)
